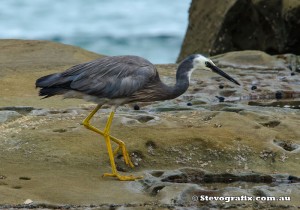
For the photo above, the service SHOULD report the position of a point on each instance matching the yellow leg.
(107, 138)
(110, 153)
(121, 144)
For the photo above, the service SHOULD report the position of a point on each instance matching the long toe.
(128, 178)
(109, 174)
(122, 178)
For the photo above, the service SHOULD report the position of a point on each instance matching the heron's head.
(203, 63)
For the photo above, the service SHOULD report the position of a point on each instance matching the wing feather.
(112, 77)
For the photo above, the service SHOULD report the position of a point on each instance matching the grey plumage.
(130, 77)
(108, 77)
(118, 80)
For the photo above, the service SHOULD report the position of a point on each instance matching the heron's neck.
(182, 84)
(170, 92)
(183, 75)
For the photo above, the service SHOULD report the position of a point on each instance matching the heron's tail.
(48, 92)
(50, 85)
(47, 81)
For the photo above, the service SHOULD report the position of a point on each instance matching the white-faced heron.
(118, 80)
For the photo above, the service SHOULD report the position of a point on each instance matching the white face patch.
(199, 62)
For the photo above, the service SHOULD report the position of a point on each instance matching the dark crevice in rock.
(218, 178)
(286, 145)
(156, 189)
(271, 124)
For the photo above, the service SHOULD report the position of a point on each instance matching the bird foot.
(122, 178)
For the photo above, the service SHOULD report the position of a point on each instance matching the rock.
(197, 176)
(231, 139)
(294, 104)
(249, 59)
(287, 145)
(128, 121)
(278, 95)
(6, 116)
(191, 186)
(28, 201)
(232, 109)
(23, 61)
(19, 109)
(59, 130)
(221, 99)
(39, 112)
(28, 54)
(216, 27)
(145, 118)
(136, 107)
(138, 119)
(254, 87)
(2, 177)
(271, 124)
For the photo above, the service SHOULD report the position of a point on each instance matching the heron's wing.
(112, 77)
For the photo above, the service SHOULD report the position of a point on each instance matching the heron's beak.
(220, 72)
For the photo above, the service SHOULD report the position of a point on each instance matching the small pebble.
(189, 104)
(28, 201)
(136, 107)
(216, 125)
(293, 73)
(221, 86)
(253, 87)
(2, 177)
(278, 95)
(221, 99)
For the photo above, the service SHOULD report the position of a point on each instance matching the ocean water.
(153, 29)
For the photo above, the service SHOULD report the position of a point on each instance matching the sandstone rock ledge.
(183, 147)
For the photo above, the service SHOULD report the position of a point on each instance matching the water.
(153, 29)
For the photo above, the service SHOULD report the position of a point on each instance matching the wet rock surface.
(192, 187)
(248, 144)
(7, 115)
